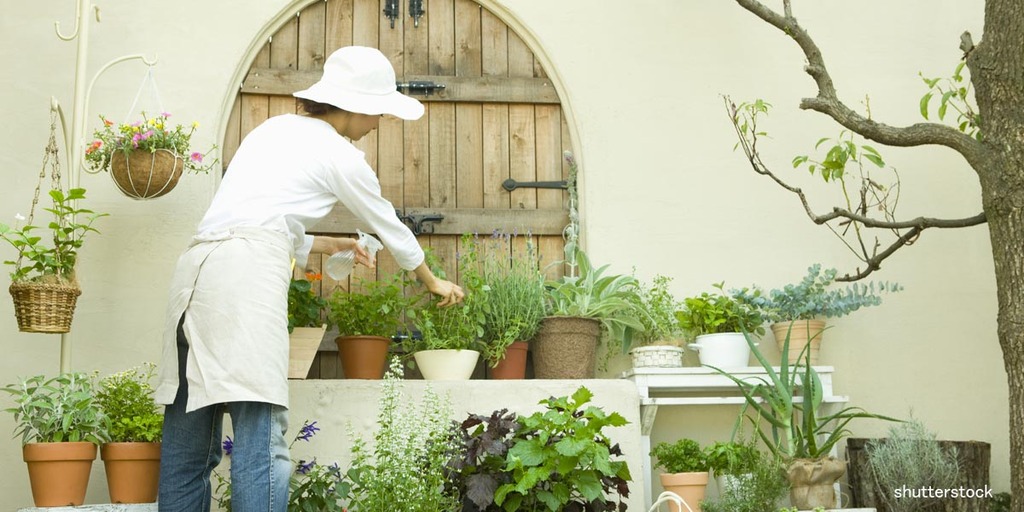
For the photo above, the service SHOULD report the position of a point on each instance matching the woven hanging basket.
(145, 175)
(44, 307)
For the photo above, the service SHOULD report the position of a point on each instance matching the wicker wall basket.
(145, 175)
(44, 307)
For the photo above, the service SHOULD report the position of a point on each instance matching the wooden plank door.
(498, 117)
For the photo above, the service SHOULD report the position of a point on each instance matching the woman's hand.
(449, 292)
(330, 245)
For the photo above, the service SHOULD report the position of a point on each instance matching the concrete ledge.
(141, 507)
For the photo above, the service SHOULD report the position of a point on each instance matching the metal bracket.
(391, 10)
(511, 184)
(419, 87)
(416, 11)
(420, 224)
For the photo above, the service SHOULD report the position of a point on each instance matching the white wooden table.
(696, 386)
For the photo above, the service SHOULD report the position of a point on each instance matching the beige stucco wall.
(663, 190)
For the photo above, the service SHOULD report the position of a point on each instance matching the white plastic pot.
(446, 364)
(723, 350)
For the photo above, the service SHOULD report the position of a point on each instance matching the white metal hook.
(668, 496)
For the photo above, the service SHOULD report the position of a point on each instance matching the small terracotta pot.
(133, 471)
(691, 487)
(59, 472)
(363, 357)
(799, 332)
(513, 366)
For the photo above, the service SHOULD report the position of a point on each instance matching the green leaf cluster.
(305, 307)
(515, 295)
(660, 323)
(813, 298)
(36, 260)
(377, 309)
(713, 313)
(731, 458)
(458, 327)
(560, 459)
(758, 489)
(842, 151)
(682, 456)
(955, 92)
(59, 409)
(127, 400)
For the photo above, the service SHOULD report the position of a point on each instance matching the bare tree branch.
(828, 103)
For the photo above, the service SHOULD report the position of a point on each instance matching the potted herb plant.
(450, 341)
(686, 471)
(719, 324)
(132, 456)
(731, 461)
(146, 157)
(662, 334)
(43, 283)
(515, 304)
(60, 424)
(581, 306)
(366, 320)
(801, 433)
(306, 326)
(798, 311)
(557, 459)
(760, 488)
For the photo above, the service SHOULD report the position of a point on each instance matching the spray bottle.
(340, 264)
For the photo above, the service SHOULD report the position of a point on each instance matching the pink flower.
(147, 135)
(166, 114)
(197, 157)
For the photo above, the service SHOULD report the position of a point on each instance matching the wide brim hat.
(361, 80)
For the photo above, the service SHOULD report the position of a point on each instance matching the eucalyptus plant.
(58, 409)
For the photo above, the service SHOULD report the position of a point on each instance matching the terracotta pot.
(565, 348)
(691, 487)
(145, 175)
(363, 357)
(513, 365)
(812, 482)
(799, 332)
(133, 471)
(446, 364)
(59, 472)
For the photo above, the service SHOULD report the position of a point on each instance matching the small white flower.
(19, 217)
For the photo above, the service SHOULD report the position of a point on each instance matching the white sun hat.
(361, 80)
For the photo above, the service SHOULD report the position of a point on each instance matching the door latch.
(511, 184)
(421, 87)
(420, 224)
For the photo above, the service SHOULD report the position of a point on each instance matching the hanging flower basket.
(145, 175)
(44, 307)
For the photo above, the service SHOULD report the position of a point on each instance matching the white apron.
(232, 288)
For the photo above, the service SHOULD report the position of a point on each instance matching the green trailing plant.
(458, 327)
(515, 295)
(561, 460)
(611, 299)
(148, 134)
(38, 261)
(305, 307)
(759, 489)
(912, 458)
(660, 323)
(377, 309)
(813, 298)
(731, 458)
(127, 400)
(407, 470)
(790, 401)
(58, 409)
(682, 456)
(712, 313)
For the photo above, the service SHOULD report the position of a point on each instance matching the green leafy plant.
(682, 456)
(59, 409)
(407, 470)
(377, 309)
(711, 313)
(67, 232)
(790, 401)
(127, 400)
(560, 459)
(515, 295)
(305, 307)
(955, 91)
(731, 458)
(148, 134)
(458, 327)
(660, 323)
(811, 298)
(758, 489)
(588, 293)
(486, 441)
(312, 487)
(911, 457)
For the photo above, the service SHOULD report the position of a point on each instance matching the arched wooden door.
(498, 117)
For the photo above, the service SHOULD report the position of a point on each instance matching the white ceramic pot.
(723, 350)
(446, 364)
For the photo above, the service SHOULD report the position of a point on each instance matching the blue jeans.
(191, 449)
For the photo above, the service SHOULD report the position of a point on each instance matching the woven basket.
(145, 175)
(44, 307)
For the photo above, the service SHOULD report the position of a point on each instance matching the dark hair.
(316, 108)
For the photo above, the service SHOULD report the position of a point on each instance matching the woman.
(226, 338)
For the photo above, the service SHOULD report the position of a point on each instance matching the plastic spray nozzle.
(341, 263)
